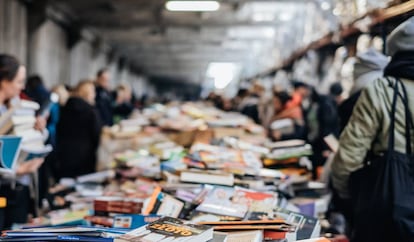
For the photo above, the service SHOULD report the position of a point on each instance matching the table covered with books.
(186, 172)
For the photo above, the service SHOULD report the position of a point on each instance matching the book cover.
(306, 226)
(256, 201)
(9, 151)
(168, 206)
(221, 200)
(133, 220)
(169, 229)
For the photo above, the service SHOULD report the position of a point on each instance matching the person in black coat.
(78, 133)
(103, 98)
(323, 120)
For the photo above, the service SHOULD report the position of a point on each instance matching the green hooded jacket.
(368, 129)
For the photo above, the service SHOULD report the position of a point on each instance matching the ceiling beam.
(173, 22)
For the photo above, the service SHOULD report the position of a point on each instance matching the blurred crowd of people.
(313, 115)
(71, 119)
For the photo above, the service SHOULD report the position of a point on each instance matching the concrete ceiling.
(256, 34)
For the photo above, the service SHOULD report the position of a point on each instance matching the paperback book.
(169, 229)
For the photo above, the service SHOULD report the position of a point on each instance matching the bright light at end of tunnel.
(192, 6)
(222, 73)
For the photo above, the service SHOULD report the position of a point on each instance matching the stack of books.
(20, 120)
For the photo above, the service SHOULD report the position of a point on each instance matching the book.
(290, 152)
(207, 177)
(256, 201)
(30, 152)
(71, 233)
(265, 224)
(220, 201)
(133, 220)
(285, 126)
(67, 217)
(19, 129)
(198, 217)
(246, 222)
(286, 143)
(169, 229)
(96, 176)
(29, 135)
(118, 205)
(49, 231)
(9, 119)
(28, 104)
(167, 205)
(100, 220)
(24, 112)
(6, 123)
(219, 237)
(9, 151)
(23, 120)
(245, 236)
(306, 226)
(332, 142)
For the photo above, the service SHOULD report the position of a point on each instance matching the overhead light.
(192, 6)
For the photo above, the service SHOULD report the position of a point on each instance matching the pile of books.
(221, 188)
(19, 122)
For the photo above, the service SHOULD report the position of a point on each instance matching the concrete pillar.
(49, 55)
(81, 62)
(13, 29)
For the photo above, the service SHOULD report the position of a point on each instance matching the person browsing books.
(78, 133)
(16, 188)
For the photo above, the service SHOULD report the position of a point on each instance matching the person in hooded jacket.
(368, 67)
(78, 133)
(367, 135)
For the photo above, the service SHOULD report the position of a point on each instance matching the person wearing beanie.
(373, 170)
(368, 67)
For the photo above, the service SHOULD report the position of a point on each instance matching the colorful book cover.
(222, 201)
(132, 221)
(9, 151)
(169, 229)
(256, 201)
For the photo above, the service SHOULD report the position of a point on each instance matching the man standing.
(103, 98)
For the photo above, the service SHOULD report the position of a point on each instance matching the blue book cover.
(9, 151)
